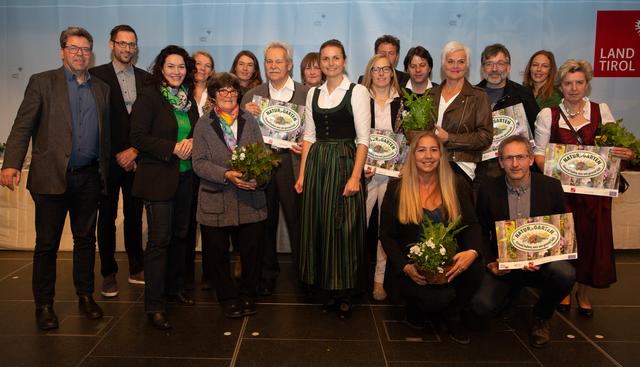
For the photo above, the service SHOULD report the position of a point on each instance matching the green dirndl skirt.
(333, 226)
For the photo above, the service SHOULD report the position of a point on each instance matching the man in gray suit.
(65, 114)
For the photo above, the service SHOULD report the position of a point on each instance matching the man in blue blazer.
(125, 82)
(520, 193)
(65, 114)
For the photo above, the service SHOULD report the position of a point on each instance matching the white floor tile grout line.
(236, 351)
(375, 324)
(586, 337)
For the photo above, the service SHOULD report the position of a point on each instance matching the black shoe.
(415, 323)
(540, 333)
(584, 312)
(205, 284)
(233, 309)
(159, 320)
(563, 308)
(46, 318)
(181, 298)
(330, 305)
(457, 332)
(89, 307)
(345, 310)
(266, 287)
(248, 308)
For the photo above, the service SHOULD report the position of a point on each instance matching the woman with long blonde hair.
(429, 188)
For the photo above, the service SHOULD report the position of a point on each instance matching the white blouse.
(468, 167)
(359, 105)
(202, 102)
(383, 113)
(543, 123)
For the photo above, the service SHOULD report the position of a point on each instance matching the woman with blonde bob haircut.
(577, 120)
(430, 189)
(463, 112)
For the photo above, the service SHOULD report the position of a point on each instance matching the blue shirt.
(84, 122)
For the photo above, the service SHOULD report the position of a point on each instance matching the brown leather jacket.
(468, 121)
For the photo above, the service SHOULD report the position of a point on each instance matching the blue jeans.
(164, 257)
(555, 281)
(80, 200)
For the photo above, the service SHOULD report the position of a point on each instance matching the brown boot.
(540, 332)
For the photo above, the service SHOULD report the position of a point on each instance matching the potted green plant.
(255, 162)
(418, 114)
(613, 134)
(433, 255)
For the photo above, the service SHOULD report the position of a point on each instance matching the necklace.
(572, 114)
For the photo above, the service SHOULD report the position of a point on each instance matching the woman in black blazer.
(162, 123)
(428, 187)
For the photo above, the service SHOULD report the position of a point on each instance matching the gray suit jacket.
(221, 203)
(45, 117)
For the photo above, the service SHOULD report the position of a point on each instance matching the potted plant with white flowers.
(433, 255)
(255, 162)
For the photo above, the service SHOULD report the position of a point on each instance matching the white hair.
(451, 47)
(279, 44)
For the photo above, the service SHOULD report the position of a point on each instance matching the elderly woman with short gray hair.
(228, 205)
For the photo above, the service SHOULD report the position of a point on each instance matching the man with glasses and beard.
(503, 92)
(125, 82)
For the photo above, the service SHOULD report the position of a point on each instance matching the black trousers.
(555, 281)
(108, 211)
(447, 299)
(190, 254)
(249, 242)
(281, 192)
(168, 223)
(80, 200)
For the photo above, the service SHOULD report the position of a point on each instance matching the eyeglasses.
(384, 69)
(518, 157)
(228, 92)
(123, 44)
(498, 64)
(75, 50)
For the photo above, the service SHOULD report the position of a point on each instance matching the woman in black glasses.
(228, 205)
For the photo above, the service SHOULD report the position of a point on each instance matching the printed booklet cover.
(536, 240)
(507, 121)
(583, 169)
(281, 123)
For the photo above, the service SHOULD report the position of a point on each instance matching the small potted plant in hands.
(255, 162)
(418, 114)
(433, 255)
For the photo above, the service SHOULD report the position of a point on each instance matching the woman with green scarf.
(162, 122)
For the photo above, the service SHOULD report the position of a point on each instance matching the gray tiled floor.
(288, 332)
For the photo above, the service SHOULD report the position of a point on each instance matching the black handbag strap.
(575, 133)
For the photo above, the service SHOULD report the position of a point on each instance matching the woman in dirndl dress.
(336, 137)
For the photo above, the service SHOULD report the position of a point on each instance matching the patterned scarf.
(226, 120)
(180, 101)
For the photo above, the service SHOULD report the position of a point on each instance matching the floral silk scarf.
(226, 120)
